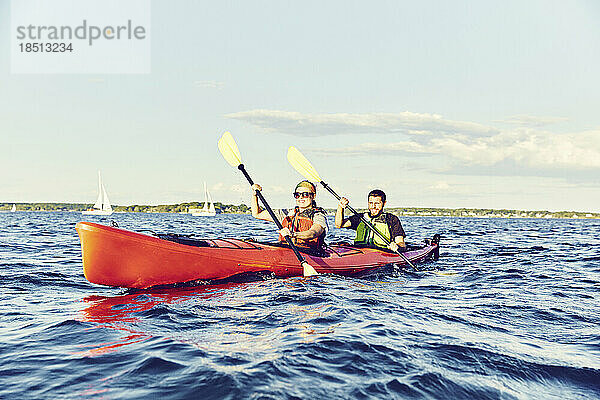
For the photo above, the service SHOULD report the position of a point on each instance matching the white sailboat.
(14, 208)
(208, 210)
(102, 206)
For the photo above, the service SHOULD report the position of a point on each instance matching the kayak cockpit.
(189, 240)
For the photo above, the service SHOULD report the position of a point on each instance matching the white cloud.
(465, 144)
(221, 187)
(378, 148)
(209, 84)
(531, 121)
(279, 188)
(529, 148)
(241, 189)
(526, 148)
(303, 124)
(440, 186)
(244, 189)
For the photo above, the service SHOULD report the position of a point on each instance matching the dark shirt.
(391, 220)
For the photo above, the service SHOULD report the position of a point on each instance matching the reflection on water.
(103, 348)
(123, 308)
(123, 313)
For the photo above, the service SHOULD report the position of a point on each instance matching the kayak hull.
(117, 257)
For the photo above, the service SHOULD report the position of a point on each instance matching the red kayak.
(116, 257)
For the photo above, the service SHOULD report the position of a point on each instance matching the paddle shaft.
(364, 220)
(272, 214)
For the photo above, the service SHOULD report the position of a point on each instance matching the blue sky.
(439, 103)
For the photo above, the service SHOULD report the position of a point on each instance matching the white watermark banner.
(80, 36)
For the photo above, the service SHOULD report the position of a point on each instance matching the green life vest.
(366, 237)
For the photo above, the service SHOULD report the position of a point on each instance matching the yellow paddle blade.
(308, 270)
(229, 149)
(302, 165)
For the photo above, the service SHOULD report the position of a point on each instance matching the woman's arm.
(315, 230)
(257, 212)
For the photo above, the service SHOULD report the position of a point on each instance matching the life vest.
(303, 221)
(366, 237)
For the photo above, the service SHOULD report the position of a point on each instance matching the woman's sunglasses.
(304, 195)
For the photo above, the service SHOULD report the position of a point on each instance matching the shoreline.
(182, 209)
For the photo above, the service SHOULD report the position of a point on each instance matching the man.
(387, 224)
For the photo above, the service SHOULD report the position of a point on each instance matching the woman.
(305, 224)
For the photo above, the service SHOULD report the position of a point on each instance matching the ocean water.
(510, 311)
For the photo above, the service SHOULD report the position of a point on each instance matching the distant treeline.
(173, 208)
(490, 213)
(184, 208)
(45, 206)
(243, 209)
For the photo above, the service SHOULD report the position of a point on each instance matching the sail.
(98, 204)
(211, 207)
(106, 203)
(208, 209)
(102, 205)
(205, 207)
(14, 208)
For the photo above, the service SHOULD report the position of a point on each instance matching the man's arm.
(340, 221)
(396, 232)
(400, 241)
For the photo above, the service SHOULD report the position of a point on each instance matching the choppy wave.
(511, 310)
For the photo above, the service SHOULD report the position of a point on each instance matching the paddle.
(305, 168)
(230, 152)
